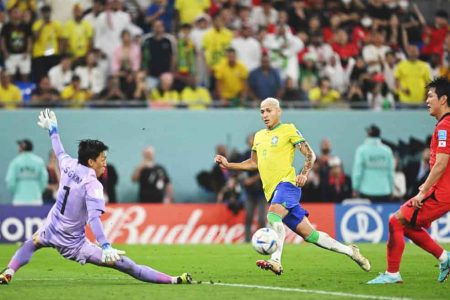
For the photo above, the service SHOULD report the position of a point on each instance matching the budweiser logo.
(140, 225)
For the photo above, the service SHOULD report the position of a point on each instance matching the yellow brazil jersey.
(47, 42)
(165, 96)
(315, 95)
(198, 98)
(214, 43)
(10, 97)
(77, 98)
(276, 150)
(23, 5)
(78, 36)
(191, 9)
(230, 79)
(412, 75)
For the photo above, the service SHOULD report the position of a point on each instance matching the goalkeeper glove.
(109, 254)
(47, 120)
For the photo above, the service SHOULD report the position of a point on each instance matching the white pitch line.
(298, 290)
(238, 285)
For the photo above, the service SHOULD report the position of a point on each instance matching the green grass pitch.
(324, 274)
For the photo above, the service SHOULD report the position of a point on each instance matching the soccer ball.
(264, 241)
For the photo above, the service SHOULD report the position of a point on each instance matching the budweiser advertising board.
(191, 223)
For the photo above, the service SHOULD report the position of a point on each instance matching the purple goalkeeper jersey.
(79, 200)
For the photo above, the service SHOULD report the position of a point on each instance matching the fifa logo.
(362, 223)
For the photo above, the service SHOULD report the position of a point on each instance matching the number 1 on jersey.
(66, 195)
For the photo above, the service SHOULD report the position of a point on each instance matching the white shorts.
(16, 61)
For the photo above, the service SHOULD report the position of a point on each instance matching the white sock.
(175, 280)
(396, 274)
(444, 257)
(327, 242)
(9, 271)
(279, 229)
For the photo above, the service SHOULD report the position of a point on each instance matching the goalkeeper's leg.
(20, 258)
(140, 272)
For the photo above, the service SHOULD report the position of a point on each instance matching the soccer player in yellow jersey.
(273, 155)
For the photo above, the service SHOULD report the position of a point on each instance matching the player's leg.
(275, 218)
(20, 258)
(394, 250)
(421, 238)
(323, 240)
(92, 254)
(431, 210)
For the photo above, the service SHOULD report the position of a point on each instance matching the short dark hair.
(90, 149)
(230, 50)
(441, 86)
(441, 13)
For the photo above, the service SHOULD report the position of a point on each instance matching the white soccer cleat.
(363, 262)
(271, 265)
(6, 276)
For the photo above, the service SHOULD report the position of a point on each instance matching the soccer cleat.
(184, 278)
(5, 277)
(271, 265)
(444, 269)
(385, 278)
(363, 262)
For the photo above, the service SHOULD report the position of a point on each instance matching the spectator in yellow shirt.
(23, 5)
(75, 94)
(189, 10)
(215, 41)
(194, 96)
(46, 48)
(231, 76)
(10, 95)
(411, 77)
(323, 94)
(78, 34)
(164, 95)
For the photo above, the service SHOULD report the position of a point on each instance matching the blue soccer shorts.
(288, 195)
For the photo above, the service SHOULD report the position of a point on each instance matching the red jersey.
(440, 143)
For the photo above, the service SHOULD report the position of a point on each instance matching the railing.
(362, 105)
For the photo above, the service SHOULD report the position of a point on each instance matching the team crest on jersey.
(442, 144)
(442, 135)
(274, 140)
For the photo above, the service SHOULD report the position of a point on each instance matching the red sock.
(421, 238)
(395, 245)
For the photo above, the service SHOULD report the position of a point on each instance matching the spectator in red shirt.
(343, 47)
(434, 36)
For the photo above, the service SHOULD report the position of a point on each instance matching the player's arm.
(434, 176)
(96, 206)
(250, 164)
(47, 120)
(310, 158)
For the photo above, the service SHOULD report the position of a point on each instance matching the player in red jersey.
(433, 198)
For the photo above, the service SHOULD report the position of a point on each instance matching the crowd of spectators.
(375, 54)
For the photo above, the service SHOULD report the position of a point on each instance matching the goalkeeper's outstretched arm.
(48, 121)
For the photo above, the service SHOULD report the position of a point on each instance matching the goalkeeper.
(79, 202)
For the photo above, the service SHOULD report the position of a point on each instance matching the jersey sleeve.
(255, 142)
(94, 199)
(58, 148)
(295, 136)
(443, 144)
